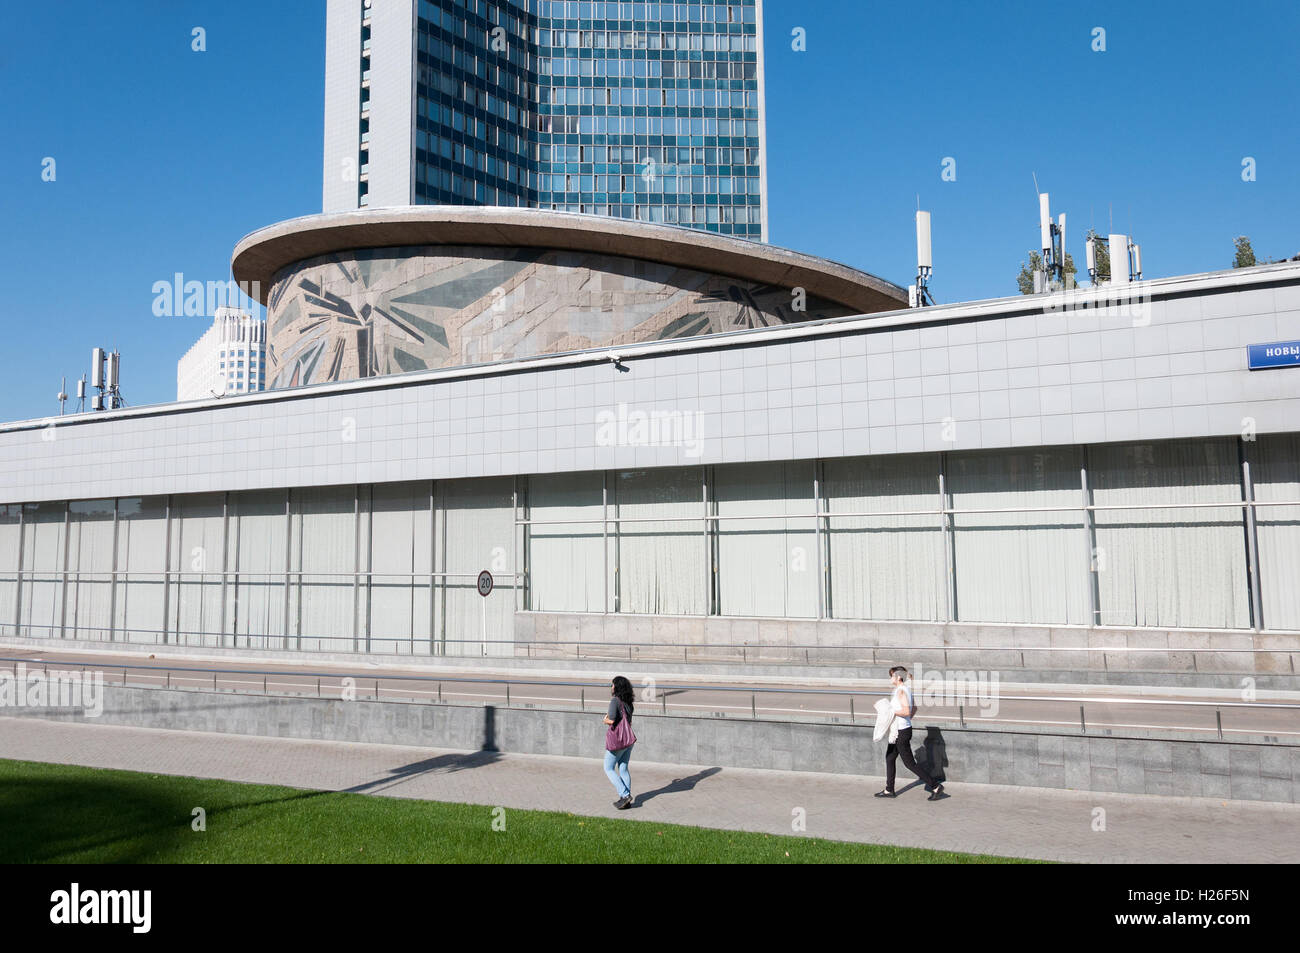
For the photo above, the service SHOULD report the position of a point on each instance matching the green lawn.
(53, 813)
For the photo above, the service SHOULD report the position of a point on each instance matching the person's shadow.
(676, 786)
(442, 764)
(932, 757)
(933, 754)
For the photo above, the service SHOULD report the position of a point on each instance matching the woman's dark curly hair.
(623, 692)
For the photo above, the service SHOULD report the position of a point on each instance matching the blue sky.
(165, 156)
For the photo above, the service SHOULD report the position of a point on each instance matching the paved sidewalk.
(980, 818)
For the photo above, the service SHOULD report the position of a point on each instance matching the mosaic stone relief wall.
(390, 310)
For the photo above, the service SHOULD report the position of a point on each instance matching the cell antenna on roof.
(105, 377)
(918, 295)
(1052, 242)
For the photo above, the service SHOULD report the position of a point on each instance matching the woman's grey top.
(615, 712)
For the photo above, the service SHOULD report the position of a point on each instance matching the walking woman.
(904, 707)
(619, 740)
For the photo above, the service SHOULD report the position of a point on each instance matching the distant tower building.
(230, 358)
(639, 110)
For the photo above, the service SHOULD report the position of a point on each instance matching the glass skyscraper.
(638, 110)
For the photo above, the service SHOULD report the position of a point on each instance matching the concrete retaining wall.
(1167, 765)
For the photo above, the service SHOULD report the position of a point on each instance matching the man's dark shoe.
(937, 794)
(886, 794)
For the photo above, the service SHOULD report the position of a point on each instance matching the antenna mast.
(1125, 258)
(1052, 243)
(105, 377)
(918, 295)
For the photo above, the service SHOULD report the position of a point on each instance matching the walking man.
(904, 707)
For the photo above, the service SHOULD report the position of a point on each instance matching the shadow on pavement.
(443, 764)
(677, 786)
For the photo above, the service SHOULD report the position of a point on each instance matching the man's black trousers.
(903, 748)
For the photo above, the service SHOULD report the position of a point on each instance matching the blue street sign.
(1279, 354)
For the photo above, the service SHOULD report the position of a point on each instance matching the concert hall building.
(652, 434)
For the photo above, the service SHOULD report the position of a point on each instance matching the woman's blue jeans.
(616, 770)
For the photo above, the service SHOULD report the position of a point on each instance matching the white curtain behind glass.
(324, 545)
(661, 568)
(885, 567)
(255, 603)
(90, 555)
(1179, 567)
(1020, 567)
(10, 552)
(1276, 474)
(766, 567)
(43, 542)
(197, 553)
(401, 544)
(566, 565)
(477, 531)
(141, 555)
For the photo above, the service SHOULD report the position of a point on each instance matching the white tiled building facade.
(230, 358)
(1054, 468)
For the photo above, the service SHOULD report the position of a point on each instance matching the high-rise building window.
(511, 99)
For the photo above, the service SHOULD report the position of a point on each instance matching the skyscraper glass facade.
(646, 111)
(475, 83)
(650, 111)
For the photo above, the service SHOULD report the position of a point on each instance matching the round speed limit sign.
(484, 583)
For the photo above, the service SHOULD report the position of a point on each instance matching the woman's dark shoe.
(624, 804)
(886, 794)
(619, 803)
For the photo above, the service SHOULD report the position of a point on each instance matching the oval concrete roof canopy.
(261, 254)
